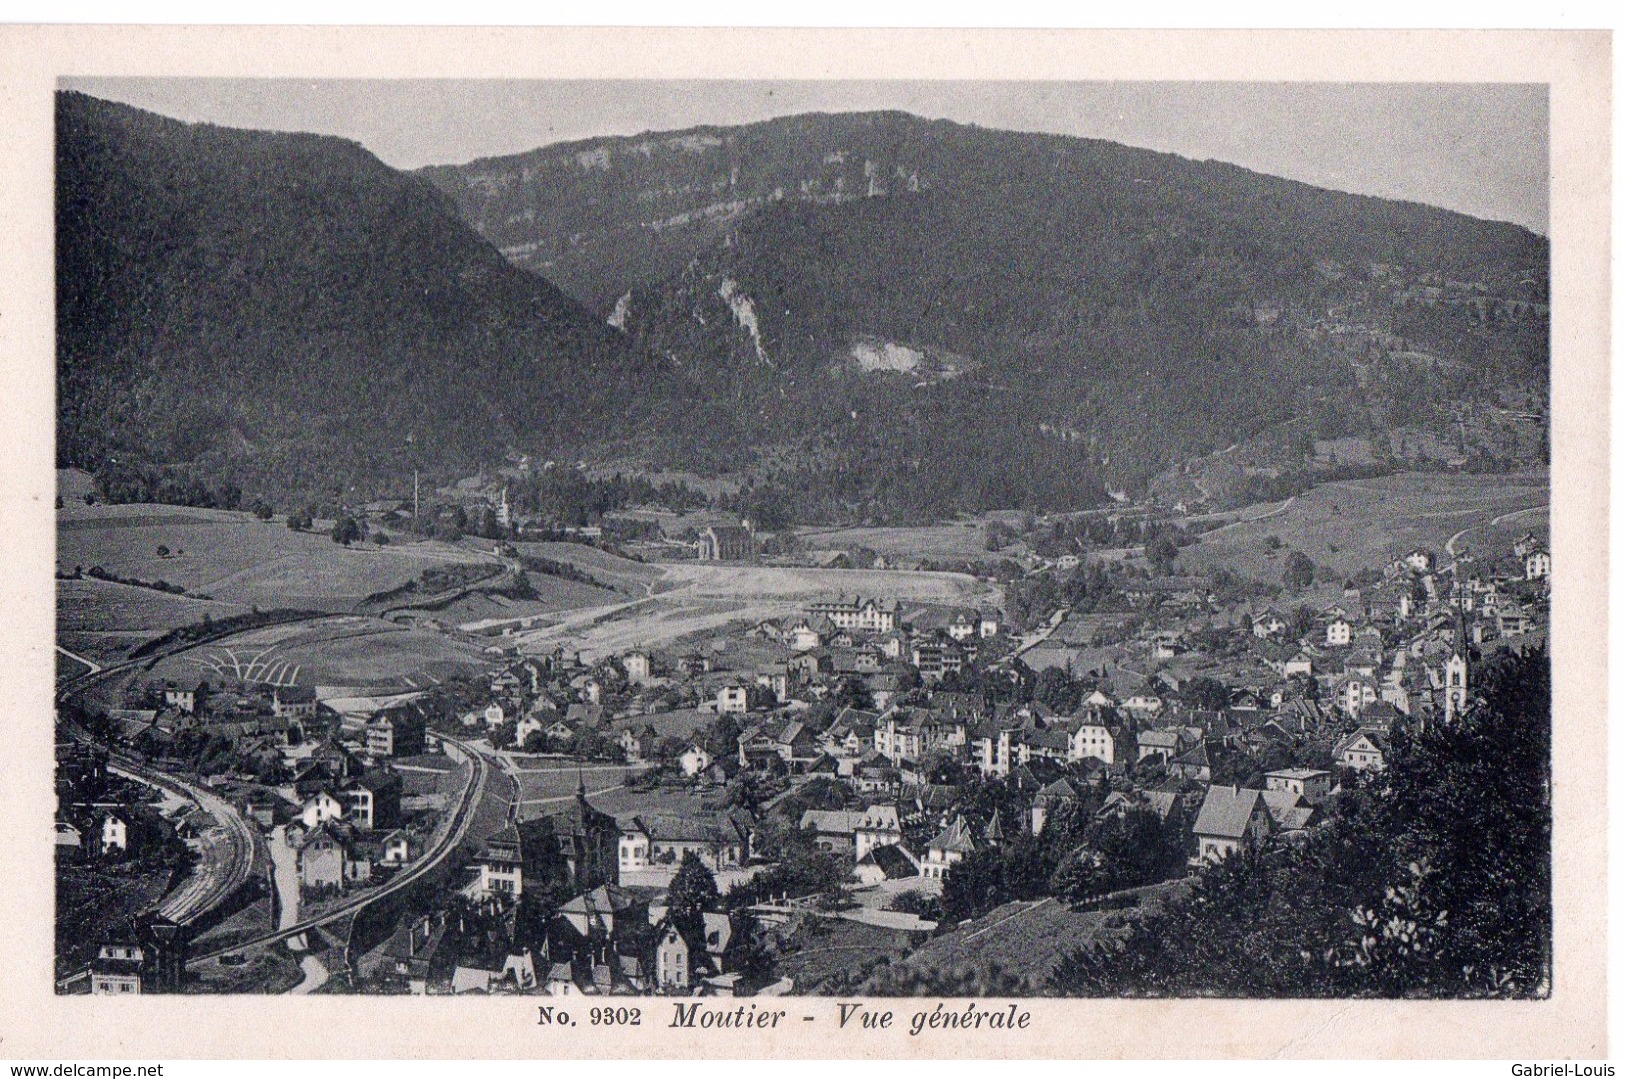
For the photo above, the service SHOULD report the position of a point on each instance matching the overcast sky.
(1477, 148)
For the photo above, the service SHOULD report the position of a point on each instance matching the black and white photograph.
(671, 548)
(844, 549)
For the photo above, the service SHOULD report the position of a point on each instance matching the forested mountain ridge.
(598, 216)
(285, 313)
(867, 317)
(1125, 310)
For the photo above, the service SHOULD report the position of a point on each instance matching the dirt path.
(1276, 512)
(315, 976)
(559, 798)
(285, 875)
(1008, 918)
(92, 664)
(1450, 544)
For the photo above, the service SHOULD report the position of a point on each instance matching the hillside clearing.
(238, 559)
(342, 656)
(1356, 524)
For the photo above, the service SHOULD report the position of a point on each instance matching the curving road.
(227, 857)
(1450, 544)
(452, 835)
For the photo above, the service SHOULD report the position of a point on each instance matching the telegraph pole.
(411, 440)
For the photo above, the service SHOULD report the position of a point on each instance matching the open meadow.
(793, 585)
(342, 656)
(613, 571)
(706, 596)
(1025, 939)
(105, 620)
(546, 784)
(1356, 524)
(477, 610)
(236, 558)
(826, 949)
(959, 541)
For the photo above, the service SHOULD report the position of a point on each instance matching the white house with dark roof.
(1310, 784)
(1363, 750)
(720, 840)
(1091, 737)
(733, 699)
(862, 615)
(1339, 632)
(949, 848)
(115, 833)
(858, 831)
(694, 760)
(1164, 742)
(1419, 560)
(1231, 819)
(320, 807)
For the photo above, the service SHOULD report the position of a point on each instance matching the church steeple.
(1455, 668)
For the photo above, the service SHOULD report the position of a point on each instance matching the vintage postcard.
(805, 543)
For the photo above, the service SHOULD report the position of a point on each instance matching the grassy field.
(105, 648)
(1355, 524)
(825, 948)
(105, 620)
(236, 558)
(90, 606)
(1025, 937)
(679, 724)
(702, 598)
(553, 594)
(355, 654)
(267, 970)
(67, 667)
(1080, 629)
(1496, 540)
(796, 586)
(547, 784)
(958, 541)
(623, 574)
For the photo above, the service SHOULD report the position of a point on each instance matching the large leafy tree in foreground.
(1432, 879)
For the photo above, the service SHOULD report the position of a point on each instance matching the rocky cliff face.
(1152, 307)
(601, 216)
(874, 315)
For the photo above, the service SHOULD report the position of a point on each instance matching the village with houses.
(848, 554)
(703, 815)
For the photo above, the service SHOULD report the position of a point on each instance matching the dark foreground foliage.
(1432, 879)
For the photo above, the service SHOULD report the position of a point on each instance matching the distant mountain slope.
(933, 291)
(601, 215)
(866, 317)
(287, 311)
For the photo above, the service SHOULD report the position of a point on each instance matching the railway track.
(453, 836)
(215, 878)
(204, 891)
